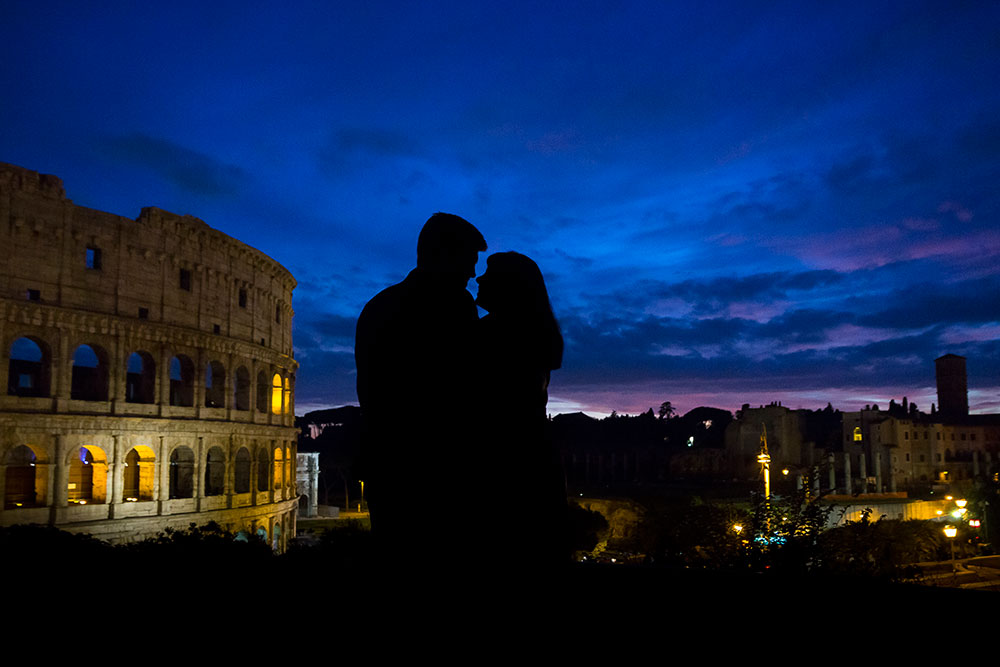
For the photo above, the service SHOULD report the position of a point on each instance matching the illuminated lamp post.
(950, 532)
(764, 458)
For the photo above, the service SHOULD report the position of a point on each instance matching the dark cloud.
(932, 304)
(189, 170)
(325, 330)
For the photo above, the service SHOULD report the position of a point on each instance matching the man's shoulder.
(387, 301)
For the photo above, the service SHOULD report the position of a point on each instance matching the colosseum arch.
(90, 373)
(25, 477)
(263, 468)
(181, 472)
(29, 368)
(241, 471)
(215, 472)
(215, 385)
(106, 368)
(140, 378)
(88, 476)
(279, 468)
(276, 395)
(139, 475)
(181, 381)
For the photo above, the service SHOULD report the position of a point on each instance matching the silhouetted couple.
(460, 472)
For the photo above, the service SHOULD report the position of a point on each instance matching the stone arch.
(25, 481)
(215, 385)
(262, 391)
(263, 468)
(90, 373)
(242, 471)
(279, 467)
(140, 378)
(289, 469)
(215, 472)
(276, 536)
(182, 472)
(276, 389)
(181, 381)
(88, 475)
(29, 369)
(241, 389)
(139, 474)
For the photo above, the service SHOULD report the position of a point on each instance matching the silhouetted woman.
(524, 486)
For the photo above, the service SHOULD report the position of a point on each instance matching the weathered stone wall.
(209, 320)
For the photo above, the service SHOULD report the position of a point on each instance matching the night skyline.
(730, 204)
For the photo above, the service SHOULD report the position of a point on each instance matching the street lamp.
(950, 532)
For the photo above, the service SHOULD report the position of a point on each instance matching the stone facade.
(148, 371)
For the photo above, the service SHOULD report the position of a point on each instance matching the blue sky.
(731, 202)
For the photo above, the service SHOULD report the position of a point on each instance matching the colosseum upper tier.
(148, 371)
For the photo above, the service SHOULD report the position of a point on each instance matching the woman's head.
(513, 287)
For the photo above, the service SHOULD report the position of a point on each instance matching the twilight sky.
(732, 202)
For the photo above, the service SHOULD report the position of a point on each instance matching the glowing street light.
(950, 532)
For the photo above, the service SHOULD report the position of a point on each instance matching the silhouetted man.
(415, 370)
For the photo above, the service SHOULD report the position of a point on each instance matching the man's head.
(449, 244)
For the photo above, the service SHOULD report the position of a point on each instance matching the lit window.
(857, 434)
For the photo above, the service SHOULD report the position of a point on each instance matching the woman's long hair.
(522, 295)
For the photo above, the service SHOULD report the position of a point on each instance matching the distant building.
(952, 387)
(785, 440)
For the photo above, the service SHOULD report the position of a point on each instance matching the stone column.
(863, 470)
(228, 480)
(60, 488)
(832, 472)
(200, 465)
(877, 462)
(162, 392)
(848, 482)
(116, 463)
(117, 375)
(160, 480)
(62, 371)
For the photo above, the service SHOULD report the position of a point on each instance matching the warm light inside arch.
(276, 386)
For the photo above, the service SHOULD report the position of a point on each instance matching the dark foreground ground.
(336, 594)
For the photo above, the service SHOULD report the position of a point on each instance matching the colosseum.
(149, 371)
